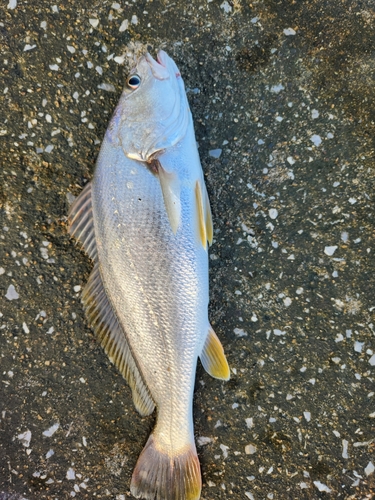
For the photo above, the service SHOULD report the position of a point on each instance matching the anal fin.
(81, 222)
(213, 358)
(110, 334)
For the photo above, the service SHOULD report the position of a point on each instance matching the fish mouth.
(159, 67)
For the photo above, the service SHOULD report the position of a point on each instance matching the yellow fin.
(208, 217)
(160, 475)
(213, 358)
(170, 186)
(200, 215)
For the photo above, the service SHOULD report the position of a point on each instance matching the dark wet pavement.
(283, 100)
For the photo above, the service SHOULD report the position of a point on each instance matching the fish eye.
(133, 81)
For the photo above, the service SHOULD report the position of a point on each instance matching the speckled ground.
(283, 98)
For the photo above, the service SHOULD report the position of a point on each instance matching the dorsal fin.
(213, 358)
(110, 334)
(81, 222)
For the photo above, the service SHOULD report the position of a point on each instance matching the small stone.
(289, 32)
(330, 250)
(49, 432)
(316, 139)
(25, 438)
(11, 293)
(273, 213)
(369, 469)
(70, 474)
(322, 487)
(124, 25)
(94, 22)
(215, 153)
(250, 449)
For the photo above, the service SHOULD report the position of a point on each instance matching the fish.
(145, 221)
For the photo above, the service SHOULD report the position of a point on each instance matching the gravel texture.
(283, 99)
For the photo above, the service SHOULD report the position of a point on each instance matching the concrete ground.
(283, 99)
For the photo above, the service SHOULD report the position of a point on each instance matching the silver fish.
(145, 220)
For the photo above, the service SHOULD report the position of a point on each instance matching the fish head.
(153, 113)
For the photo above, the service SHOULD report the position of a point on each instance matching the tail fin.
(160, 476)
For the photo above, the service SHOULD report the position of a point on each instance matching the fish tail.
(159, 475)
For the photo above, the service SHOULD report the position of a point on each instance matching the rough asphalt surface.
(283, 99)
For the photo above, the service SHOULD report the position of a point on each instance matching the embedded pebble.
(273, 213)
(322, 487)
(316, 139)
(25, 438)
(215, 153)
(369, 469)
(240, 332)
(330, 250)
(12, 4)
(224, 449)
(345, 448)
(124, 25)
(51, 431)
(108, 87)
(94, 22)
(277, 88)
(70, 474)
(11, 293)
(289, 32)
(202, 440)
(250, 449)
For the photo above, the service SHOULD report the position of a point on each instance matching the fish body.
(145, 221)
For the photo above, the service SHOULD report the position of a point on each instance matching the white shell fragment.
(49, 432)
(202, 440)
(240, 332)
(224, 449)
(316, 139)
(25, 438)
(250, 449)
(273, 213)
(11, 293)
(107, 87)
(289, 32)
(124, 25)
(70, 474)
(215, 153)
(369, 469)
(345, 448)
(330, 250)
(94, 22)
(12, 4)
(321, 486)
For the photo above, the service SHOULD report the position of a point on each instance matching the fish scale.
(145, 220)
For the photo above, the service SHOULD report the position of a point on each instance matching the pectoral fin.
(213, 358)
(170, 186)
